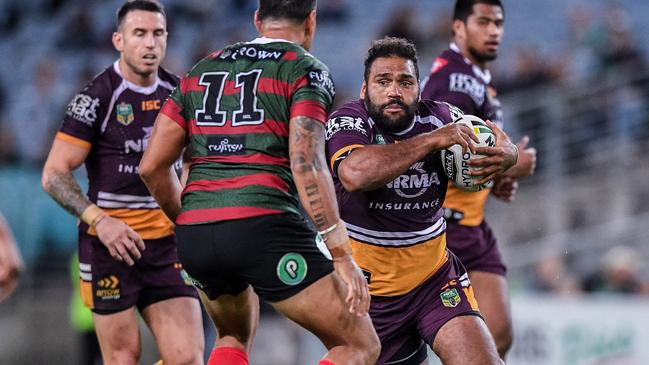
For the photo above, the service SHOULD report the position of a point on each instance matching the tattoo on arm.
(307, 146)
(65, 190)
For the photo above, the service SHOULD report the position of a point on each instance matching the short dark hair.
(388, 47)
(294, 10)
(146, 5)
(464, 8)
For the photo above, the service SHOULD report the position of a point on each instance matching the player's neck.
(280, 30)
(464, 50)
(133, 77)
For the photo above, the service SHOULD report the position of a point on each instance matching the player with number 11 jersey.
(254, 137)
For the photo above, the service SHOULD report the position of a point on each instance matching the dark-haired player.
(253, 115)
(384, 151)
(460, 77)
(127, 249)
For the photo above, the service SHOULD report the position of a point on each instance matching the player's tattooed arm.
(65, 190)
(57, 178)
(306, 149)
(318, 197)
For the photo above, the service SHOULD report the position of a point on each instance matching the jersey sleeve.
(174, 107)
(345, 132)
(438, 88)
(313, 89)
(84, 115)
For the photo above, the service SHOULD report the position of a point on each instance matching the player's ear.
(257, 21)
(363, 90)
(459, 29)
(309, 29)
(118, 41)
(311, 22)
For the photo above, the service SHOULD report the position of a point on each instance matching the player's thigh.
(465, 340)
(321, 309)
(492, 294)
(235, 317)
(119, 336)
(177, 326)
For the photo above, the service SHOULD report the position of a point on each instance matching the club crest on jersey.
(124, 113)
(450, 298)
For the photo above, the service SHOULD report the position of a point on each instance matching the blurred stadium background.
(572, 74)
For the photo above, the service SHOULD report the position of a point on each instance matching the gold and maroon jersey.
(455, 80)
(114, 118)
(397, 231)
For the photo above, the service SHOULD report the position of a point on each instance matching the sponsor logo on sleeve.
(321, 79)
(225, 146)
(83, 108)
(344, 123)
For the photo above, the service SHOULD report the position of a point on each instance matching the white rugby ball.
(455, 162)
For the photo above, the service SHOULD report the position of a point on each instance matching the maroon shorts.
(407, 323)
(109, 286)
(476, 247)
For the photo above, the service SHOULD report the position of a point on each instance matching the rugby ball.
(455, 162)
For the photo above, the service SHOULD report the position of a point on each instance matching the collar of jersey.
(265, 40)
(485, 75)
(147, 90)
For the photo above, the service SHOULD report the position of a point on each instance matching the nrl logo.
(125, 114)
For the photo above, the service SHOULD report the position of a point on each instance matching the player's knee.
(122, 356)
(371, 348)
(188, 357)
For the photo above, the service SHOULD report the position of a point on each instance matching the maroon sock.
(227, 356)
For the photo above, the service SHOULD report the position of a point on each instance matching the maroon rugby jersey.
(455, 80)
(397, 231)
(114, 119)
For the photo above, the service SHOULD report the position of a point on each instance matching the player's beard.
(482, 57)
(386, 123)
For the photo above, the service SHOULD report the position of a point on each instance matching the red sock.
(326, 362)
(227, 356)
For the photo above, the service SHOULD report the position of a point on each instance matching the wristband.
(92, 215)
(328, 230)
(337, 240)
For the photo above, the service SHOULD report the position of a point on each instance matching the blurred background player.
(384, 151)
(107, 126)
(253, 115)
(11, 263)
(460, 76)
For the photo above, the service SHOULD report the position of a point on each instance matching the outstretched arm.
(318, 197)
(123, 243)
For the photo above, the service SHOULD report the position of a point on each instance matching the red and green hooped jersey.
(235, 106)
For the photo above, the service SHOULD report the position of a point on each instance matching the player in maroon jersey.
(127, 249)
(253, 116)
(460, 76)
(385, 154)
